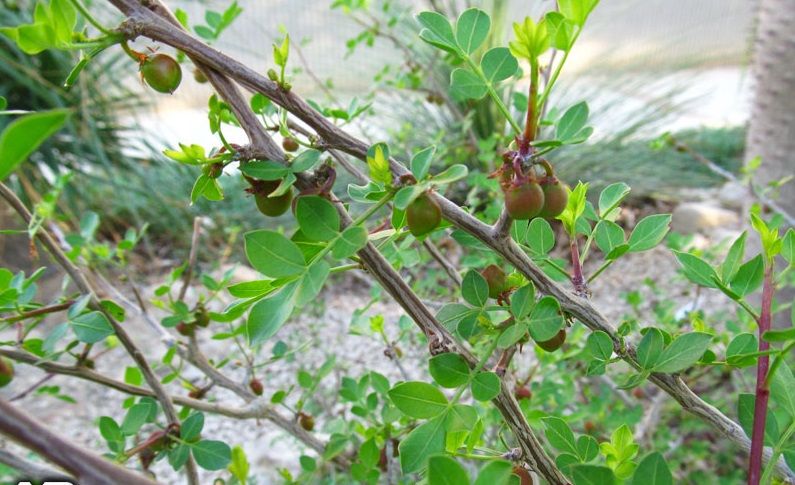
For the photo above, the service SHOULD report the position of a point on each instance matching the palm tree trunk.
(771, 134)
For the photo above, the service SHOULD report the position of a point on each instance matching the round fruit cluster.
(528, 195)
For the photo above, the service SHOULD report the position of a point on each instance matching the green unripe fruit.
(289, 144)
(6, 371)
(496, 279)
(202, 317)
(524, 201)
(199, 76)
(555, 342)
(307, 421)
(271, 206)
(555, 199)
(423, 215)
(162, 73)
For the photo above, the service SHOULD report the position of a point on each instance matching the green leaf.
(135, 418)
(64, 17)
(497, 472)
(452, 313)
(178, 456)
(560, 30)
(696, 269)
(649, 232)
(405, 196)
(273, 255)
(111, 432)
(91, 327)
(421, 162)
(498, 64)
(577, 10)
(461, 417)
(512, 334)
(418, 399)
(265, 170)
(466, 85)
(449, 370)
(250, 289)
(24, 135)
(592, 475)
(545, 319)
(352, 239)
(239, 466)
(317, 217)
(312, 282)
(572, 121)
(212, 455)
(485, 386)
(600, 345)
(734, 258)
(451, 174)
(305, 161)
(782, 389)
(475, 289)
(745, 414)
(788, 246)
(523, 301)
(3, 103)
(608, 236)
(191, 427)
(559, 435)
(267, 316)
(740, 351)
(749, 276)
(650, 348)
(378, 163)
(653, 470)
(610, 197)
(443, 470)
(207, 187)
(425, 440)
(471, 29)
(438, 31)
(683, 352)
(540, 237)
(587, 448)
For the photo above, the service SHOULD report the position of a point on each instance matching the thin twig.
(38, 312)
(194, 250)
(31, 470)
(86, 287)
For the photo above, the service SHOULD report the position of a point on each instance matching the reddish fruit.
(256, 386)
(554, 343)
(6, 371)
(199, 76)
(289, 144)
(524, 201)
(185, 329)
(496, 279)
(271, 206)
(589, 426)
(638, 393)
(555, 198)
(524, 476)
(522, 392)
(162, 73)
(423, 215)
(307, 421)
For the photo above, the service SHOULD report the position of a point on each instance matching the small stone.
(734, 195)
(692, 217)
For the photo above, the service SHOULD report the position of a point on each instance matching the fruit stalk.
(531, 123)
(762, 391)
